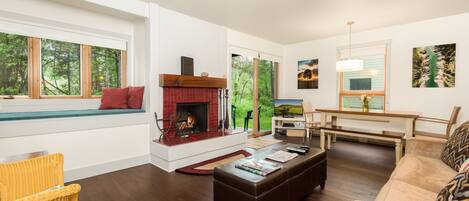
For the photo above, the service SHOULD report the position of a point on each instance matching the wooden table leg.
(334, 123)
(322, 139)
(323, 119)
(409, 128)
(273, 126)
(398, 151)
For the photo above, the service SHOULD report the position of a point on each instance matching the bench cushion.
(11, 116)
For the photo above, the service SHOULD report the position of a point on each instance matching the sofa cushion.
(456, 189)
(424, 172)
(425, 146)
(456, 150)
(402, 191)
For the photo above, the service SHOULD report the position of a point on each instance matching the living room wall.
(433, 102)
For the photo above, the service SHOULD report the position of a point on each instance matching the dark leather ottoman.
(293, 182)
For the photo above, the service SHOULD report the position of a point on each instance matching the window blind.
(55, 33)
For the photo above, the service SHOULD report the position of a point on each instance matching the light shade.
(349, 65)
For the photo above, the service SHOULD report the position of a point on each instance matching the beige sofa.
(420, 175)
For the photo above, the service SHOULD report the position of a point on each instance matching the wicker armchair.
(36, 179)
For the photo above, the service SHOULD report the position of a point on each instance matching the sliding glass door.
(253, 88)
(242, 92)
(266, 90)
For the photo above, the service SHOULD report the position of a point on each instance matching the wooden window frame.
(34, 72)
(358, 93)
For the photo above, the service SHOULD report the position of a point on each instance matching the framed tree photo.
(308, 72)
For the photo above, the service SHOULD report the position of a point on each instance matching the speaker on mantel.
(187, 66)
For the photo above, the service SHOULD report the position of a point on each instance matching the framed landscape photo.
(434, 66)
(308, 72)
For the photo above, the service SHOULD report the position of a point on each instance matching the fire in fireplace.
(192, 118)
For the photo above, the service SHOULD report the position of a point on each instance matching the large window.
(60, 68)
(44, 68)
(13, 65)
(370, 81)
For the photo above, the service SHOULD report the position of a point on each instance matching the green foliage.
(266, 93)
(105, 69)
(60, 68)
(13, 64)
(242, 90)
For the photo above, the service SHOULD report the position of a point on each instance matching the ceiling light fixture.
(349, 64)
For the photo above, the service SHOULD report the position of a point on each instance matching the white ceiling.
(290, 21)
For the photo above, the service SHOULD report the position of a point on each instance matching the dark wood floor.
(355, 172)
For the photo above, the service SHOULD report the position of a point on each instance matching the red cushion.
(114, 98)
(135, 97)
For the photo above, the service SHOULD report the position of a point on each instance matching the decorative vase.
(365, 107)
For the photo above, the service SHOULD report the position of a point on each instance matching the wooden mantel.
(170, 80)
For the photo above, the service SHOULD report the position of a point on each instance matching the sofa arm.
(425, 146)
(62, 193)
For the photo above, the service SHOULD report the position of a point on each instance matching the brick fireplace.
(172, 97)
(187, 98)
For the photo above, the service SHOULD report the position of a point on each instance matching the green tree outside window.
(13, 65)
(61, 72)
(105, 69)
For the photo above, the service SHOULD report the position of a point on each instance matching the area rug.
(258, 143)
(206, 167)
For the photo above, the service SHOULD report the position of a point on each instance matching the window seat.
(13, 116)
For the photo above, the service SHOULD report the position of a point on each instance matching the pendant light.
(349, 64)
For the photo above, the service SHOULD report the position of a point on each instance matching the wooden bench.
(389, 136)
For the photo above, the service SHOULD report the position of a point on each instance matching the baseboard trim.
(90, 171)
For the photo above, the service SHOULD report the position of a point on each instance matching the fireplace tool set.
(224, 121)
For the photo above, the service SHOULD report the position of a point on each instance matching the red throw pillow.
(114, 98)
(135, 97)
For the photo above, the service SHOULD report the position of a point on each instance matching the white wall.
(182, 35)
(435, 102)
(242, 40)
(83, 149)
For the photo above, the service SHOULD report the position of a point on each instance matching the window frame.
(35, 70)
(358, 93)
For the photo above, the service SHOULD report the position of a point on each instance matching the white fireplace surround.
(170, 158)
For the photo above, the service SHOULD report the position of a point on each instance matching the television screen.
(288, 107)
(360, 84)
